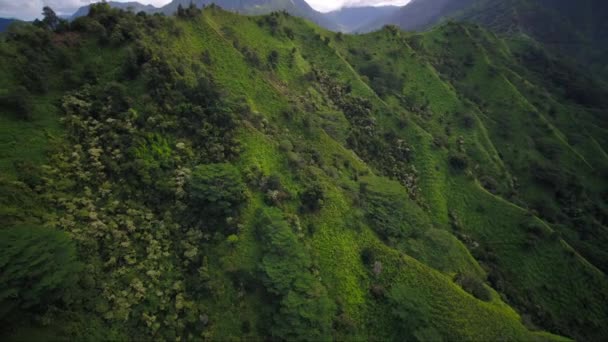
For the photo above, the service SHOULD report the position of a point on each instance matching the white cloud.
(330, 5)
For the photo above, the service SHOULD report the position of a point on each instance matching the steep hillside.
(217, 176)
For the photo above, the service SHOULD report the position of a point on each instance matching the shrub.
(37, 265)
(305, 311)
(286, 146)
(273, 59)
(206, 57)
(458, 161)
(19, 100)
(468, 121)
(312, 198)
(251, 56)
(217, 190)
(474, 286)
(489, 183)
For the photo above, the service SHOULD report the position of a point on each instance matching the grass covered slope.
(230, 177)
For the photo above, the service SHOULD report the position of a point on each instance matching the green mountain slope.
(576, 29)
(226, 177)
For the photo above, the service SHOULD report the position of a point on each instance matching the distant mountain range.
(4, 23)
(358, 19)
(578, 29)
(421, 14)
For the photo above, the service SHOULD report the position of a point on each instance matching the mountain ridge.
(218, 176)
(571, 29)
(131, 5)
(5, 23)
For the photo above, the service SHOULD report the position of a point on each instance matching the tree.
(305, 311)
(217, 190)
(312, 198)
(51, 20)
(37, 265)
(473, 285)
(180, 11)
(19, 100)
(273, 59)
(458, 161)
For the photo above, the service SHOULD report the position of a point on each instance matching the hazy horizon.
(31, 9)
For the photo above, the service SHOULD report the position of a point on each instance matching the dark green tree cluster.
(305, 313)
(37, 267)
(216, 190)
(382, 80)
(190, 12)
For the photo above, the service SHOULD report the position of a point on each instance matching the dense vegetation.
(214, 176)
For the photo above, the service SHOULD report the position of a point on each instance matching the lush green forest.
(222, 177)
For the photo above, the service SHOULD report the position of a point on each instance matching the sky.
(30, 9)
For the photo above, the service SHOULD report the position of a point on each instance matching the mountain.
(575, 29)
(422, 14)
(299, 8)
(571, 28)
(133, 6)
(355, 19)
(223, 177)
(5, 23)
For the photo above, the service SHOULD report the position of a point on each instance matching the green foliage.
(473, 285)
(383, 81)
(312, 198)
(273, 59)
(19, 101)
(158, 115)
(37, 267)
(216, 190)
(50, 18)
(413, 314)
(392, 215)
(191, 12)
(305, 312)
(458, 161)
